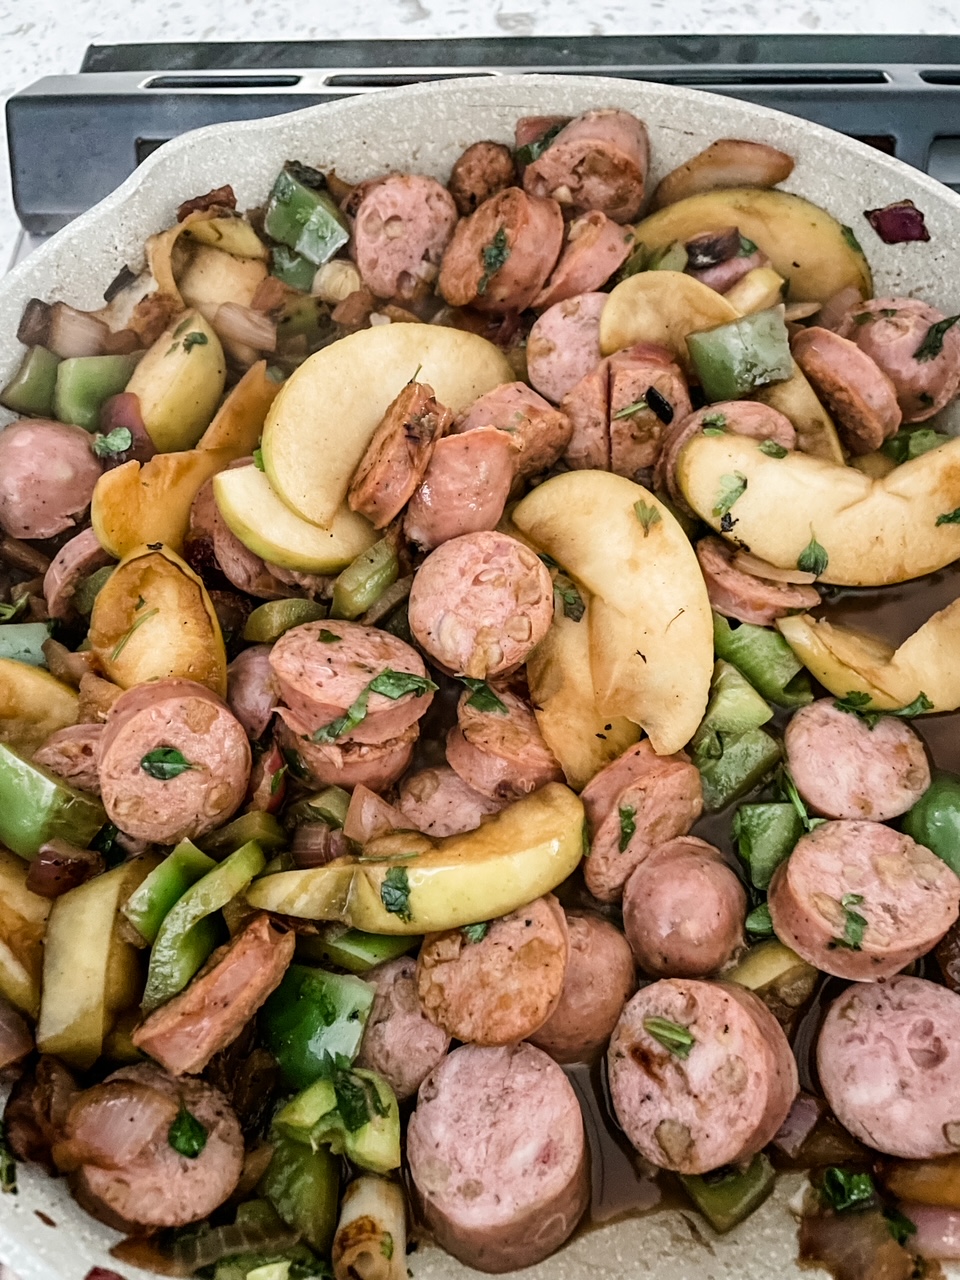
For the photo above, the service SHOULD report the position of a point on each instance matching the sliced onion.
(898, 223)
(60, 866)
(315, 844)
(369, 816)
(15, 1038)
(834, 310)
(219, 198)
(795, 311)
(75, 333)
(110, 1125)
(758, 568)
(243, 325)
(801, 1121)
(728, 162)
(938, 1231)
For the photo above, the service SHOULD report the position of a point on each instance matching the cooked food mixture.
(470, 659)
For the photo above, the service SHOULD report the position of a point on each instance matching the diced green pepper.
(36, 806)
(189, 931)
(672, 258)
(303, 1185)
(637, 262)
(311, 1016)
(364, 581)
(304, 219)
(263, 828)
(353, 950)
(89, 588)
(292, 268)
(30, 390)
(746, 761)
(269, 621)
(734, 707)
(934, 820)
(728, 1196)
(765, 658)
(736, 358)
(85, 382)
(147, 906)
(353, 1111)
(765, 835)
(329, 805)
(24, 641)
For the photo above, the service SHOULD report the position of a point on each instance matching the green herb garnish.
(851, 239)
(119, 440)
(857, 703)
(950, 517)
(8, 1168)
(813, 558)
(483, 698)
(534, 150)
(854, 924)
(899, 1225)
(276, 782)
(476, 932)
(647, 515)
(194, 340)
(746, 248)
(391, 684)
(932, 344)
(494, 256)
(327, 637)
(187, 1135)
(165, 763)
(571, 599)
(631, 409)
(628, 826)
(386, 1245)
(843, 1190)
(10, 611)
(759, 923)
(395, 893)
(733, 488)
(715, 420)
(674, 1037)
(125, 638)
(772, 449)
(258, 459)
(906, 445)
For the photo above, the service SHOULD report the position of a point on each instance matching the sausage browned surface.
(888, 1058)
(216, 761)
(479, 173)
(639, 801)
(744, 596)
(397, 456)
(724, 1098)
(636, 428)
(861, 901)
(540, 430)
(599, 161)
(211, 544)
(252, 692)
(600, 979)
(497, 1155)
(595, 247)
(47, 476)
(74, 754)
(322, 668)
(845, 768)
(564, 344)
(344, 763)
(891, 331)
(465, 488)
(860, 396)
(402, 226)
(501, 754)
(75, 560)
(683, 910)
(184, 1034)
(500, 257)
(587, 405)
(480, 603)
(742, 417)
(502, 987)
(399, 1041)
(439, 803)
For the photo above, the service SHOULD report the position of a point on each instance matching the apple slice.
(661, 307)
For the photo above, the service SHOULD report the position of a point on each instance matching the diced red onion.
(898, 223)
(110, 1125)
(799, 1124)
(15, 1038)
(245, 326)
(938, 1231)
(369, 816)
(60, 866)
(75, 333)
(315, 844)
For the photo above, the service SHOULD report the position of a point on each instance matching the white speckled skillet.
(423, 129)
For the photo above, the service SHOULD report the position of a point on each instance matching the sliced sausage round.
(47, 476)
(594, 249)
(480, 603)
(861, 901)
(322, 668)
(844, 768)
(540, 430)
(744, 596)
(888, 1058)
(75, 560)
(174, 762)
(502, 986)
(564, 344)
(599, 980)
(720, 1094)
(74, 754)
(587, 405)
(683, 910)
(498, 1156)
(637, 802)
(479, 173)
(501, 754)
(742, 417)
(647, 392)
(252, 692)
(891, 331)
(500, 257)
(439, 803)
(402, 226)
(465, 488)
(344, 763)
(598, 161)
(399, 1042)
(211, 544)
(857, 392)
(529, 129)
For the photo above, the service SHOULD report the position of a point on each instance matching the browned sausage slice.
(343, 764)
(465, 488)
(720, 1101)
(532, 128)
(540, 430)
(498, 1157)
(210, 545)
(845, 768)
(47, 476)
(399, 1041)
(252, 691)
(564, 345)
(484, 169)
(854, 388)
(744, 596)
(862, 901)
(743, 417)
(402, 226)
(75, 560)
(599, 161)
(888, 1058)
(439, 803)
(501, 754)
(74, 754)
(587, 405)
(594, 249)
(647, 387)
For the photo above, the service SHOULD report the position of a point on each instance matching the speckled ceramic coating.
(423, 129)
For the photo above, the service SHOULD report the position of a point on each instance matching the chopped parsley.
(119, 440)
(854, 924)
(165, 763)
(628, 826)
(187, 1135)
(395, 893)
(844, 1191)
(813, 558)
(327, 637)
(358, 1100)
(857, 704)
(772, 449)
(674, 1037)
(759, 923)
(125, 638)
(631, 409)
(647, 514)
(715, 420)
(8, 1168)
(932, 344)
(483, 698)
(714, 431)
(391, 684)
(276, 782)
(899, 1225)
(534, 150)
(494, 256)
(747, 247)
(733, 488)
(851, 239)
(194, 340)
(906, 445)
(258, 459)
(949, 517)
(570, 598)
(789, 792)
(476, 932)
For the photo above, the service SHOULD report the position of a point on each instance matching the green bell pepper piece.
(24, 641)
(311, 1017)
(727, 1196)
(292, 268)
(364, 581)
(672, 258)
(263, 828)
(147, 906)
(736, 358)
(189, 931)
(354, 1111)
(934, 820)
(89, 588)
(765, 658)
(85, 382)
(329, 805)
(734, 707)
(303, 1185)
(269, 621)
(765, 836)
(36, 806)
(745, 761)
(353, 950)
(30, 390)
(304, 219)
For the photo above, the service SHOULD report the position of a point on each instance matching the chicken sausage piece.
(859, 395)
(719, 1102)
(500, 257)
(564, 344)
(252, 689)
(47, 476)
(594, 249)
(600, 979)
(465, 488)
(74, 754)
(844, 768)
(439, 803)
(402, 226)
(861, 901)
(683, 910)
(647, 392)
(501, 987)
(744, 596)
(397, 456)
(210, 545)
(891, 331)
(598, 161)
(162, 1188)
(540, 430)
(184, 1034)
(322, 668)
(345, 763)
(484, 169)
(480, 603)
(400, 1042)
(587, 405)
(888, 1058)
(75, 560)
(500, 754)
(637, 802)
(531, 129)
(497, 1155)
(174, 762)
